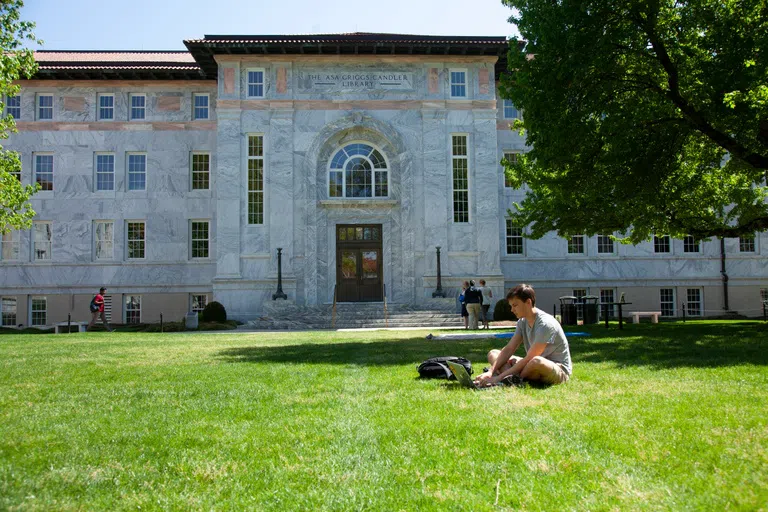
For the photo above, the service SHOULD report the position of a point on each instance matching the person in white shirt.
(487, 296)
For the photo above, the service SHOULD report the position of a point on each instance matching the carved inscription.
(365, 80)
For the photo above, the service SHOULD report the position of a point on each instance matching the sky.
(164, 24)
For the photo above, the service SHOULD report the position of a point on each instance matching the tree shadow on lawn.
(696, 345)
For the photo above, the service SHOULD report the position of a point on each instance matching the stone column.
(228, 194)
(279, 189)
(486, 192)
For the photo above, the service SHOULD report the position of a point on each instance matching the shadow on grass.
(666, 345)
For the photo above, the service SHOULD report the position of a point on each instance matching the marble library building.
(173, 178)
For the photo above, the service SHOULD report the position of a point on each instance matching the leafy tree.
(643, 116)
(15, 62)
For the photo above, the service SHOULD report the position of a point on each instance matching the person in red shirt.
(98, 304)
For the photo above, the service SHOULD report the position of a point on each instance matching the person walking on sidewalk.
(97, 310)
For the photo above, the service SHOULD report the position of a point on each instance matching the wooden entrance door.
(358, 263)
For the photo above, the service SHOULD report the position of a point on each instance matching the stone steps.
(285, 315)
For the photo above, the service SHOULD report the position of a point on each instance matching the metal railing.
(386, 314)
(333, 311)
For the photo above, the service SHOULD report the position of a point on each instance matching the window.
(255, 83)
(255, 179)
(41, 241)
(607, 297)
(690, 244)
(13, 106)
(138, 107)
(514, 238)
(136, 240)
(604, 244)
(460, 167)
(201, 171)
(458, 83)
(44, 107)
(105, 171)
(137, 171)
(576, 244)
(511, 158)
(106, 107)
(44, 171)
(693, 304)
(667, 301)
(358, 170)
(10, 246)
(661, 244)
(747, 243)
(199, 239)
(8, 311)
(201, 106)
(764, 294)
(198, 302)
(15, 172)
(103, 239)
(38, 311)
(510, 111)
(133, 309)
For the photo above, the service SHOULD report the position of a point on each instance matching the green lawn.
(656, 417)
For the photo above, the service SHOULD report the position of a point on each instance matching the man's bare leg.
(494, 354)
(543, 370)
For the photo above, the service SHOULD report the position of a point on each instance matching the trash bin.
(190, 320)
(589, 303)
(568, 310)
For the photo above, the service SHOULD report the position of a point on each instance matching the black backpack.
(94, 307)
(435, 367)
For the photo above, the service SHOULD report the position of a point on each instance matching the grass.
(656, 417)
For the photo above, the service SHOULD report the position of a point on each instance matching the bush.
(502, 311)
(214, 312)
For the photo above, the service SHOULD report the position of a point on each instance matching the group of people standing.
(475, 303)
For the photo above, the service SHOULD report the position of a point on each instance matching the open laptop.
(463, 378)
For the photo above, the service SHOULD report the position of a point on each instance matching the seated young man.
(547, 356)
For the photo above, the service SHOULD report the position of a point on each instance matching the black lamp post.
(439, 290)
(279, 294)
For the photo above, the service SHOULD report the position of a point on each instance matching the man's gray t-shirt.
(486, 295)
(546, 329)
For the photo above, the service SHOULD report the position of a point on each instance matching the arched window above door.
(358, 170)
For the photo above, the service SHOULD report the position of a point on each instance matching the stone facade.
(308, 108)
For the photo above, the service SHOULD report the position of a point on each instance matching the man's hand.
(485, 379)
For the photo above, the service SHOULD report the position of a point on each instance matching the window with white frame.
(200, 106)
(661, 244)
(358, 170)
(511, 159)
(693, 301)
(41, 240)
(690, 244)
(747, 243)
(576, 244)
(201, 171)
(106, 107)
(199, 301)
(8, 311)
(44, 107)
(667, 301)
(137, 171)
(604, 244)
(607, 297)
(458, 83)
(13, 106)
(138, 107)
(460, 168)
(136, 241)
(105, 171)
(38, 311)
(255, 83)
(133, 309)
(510, 111)
(199, 238)
(103, 239)
(44, 170)
(514, 238)
(255, 179)
(764, 294)
(10, 246)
